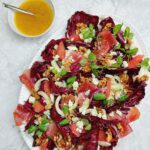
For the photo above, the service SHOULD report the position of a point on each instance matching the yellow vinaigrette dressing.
(34, 25)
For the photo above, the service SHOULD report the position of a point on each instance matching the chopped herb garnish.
(117, 28)
(123, 98)
(145, 64)
(132, 51)
(71, 80)
(92, 57)
(99, 96)
(85, 122)
(108, 102)
(118, 63)
(54, 71)
(118, 46)
(63, 72)
(83, 62)
(64, 122)
(88, 127)
(91, 26)
(31, 129)
(38, 133)
(94, 66)
(44, 121)
(65, 109)
(127, 33)
(88, 32)
(95, 72)
(43, 127)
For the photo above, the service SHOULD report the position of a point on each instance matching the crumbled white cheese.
(87, 53)
(94, 80)
(119, 112)
(104, 115)
(112, 62)
(72, 48)
(56, 46)
(112, 114)
(75, 119)
(31, 99)
(61, 84)
(94, 112)
(79, 125)
(70, 103)
(56, 57)
(125, 64)
(87, 92)
(113, 53)
(81, 36)
(104, 143)
(75, 85)
(36, 122)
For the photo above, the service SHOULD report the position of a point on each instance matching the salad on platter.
(84, 93)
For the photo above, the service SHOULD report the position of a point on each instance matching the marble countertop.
(17, 52)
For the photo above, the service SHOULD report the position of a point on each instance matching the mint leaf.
(92, 56)
(117, 28)
(145, 63)
(128, 33)
(118, 63)
(132, 51)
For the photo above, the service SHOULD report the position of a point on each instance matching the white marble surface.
(17, 52)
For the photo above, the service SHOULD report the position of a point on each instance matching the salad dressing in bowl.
(37, 24)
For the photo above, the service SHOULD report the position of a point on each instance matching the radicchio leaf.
(47, 54)
(80, 17)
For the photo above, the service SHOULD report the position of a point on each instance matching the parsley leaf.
(92, 56)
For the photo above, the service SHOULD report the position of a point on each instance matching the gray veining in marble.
(17, 52)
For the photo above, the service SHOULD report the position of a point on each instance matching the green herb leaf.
(117, 28)
(91, 26)
(118, 46)
(54, 71)
(94, 66)
(44, 121)
(64, 122)
(132, 51)
(87, 32)
(108, 102)
(99, 96)
(92, 57)
(63, 72)
(85, 121)
(43, 127)
(38, 133)
(65, 109)
(128, 33)
(123, 98)
(118, 63)
(145, 63)
(83, 62)
(88, 127)
(71, 80)
(95, 72)
(31, 129)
